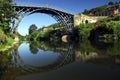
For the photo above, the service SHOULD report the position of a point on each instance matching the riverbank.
(7, 47)
(7, 41)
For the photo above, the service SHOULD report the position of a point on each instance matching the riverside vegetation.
(6, 13)
(108, 28)
(111, 25)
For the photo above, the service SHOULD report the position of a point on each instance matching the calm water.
(97, 60)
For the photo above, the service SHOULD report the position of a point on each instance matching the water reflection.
(38, 57)
(100, 52)
(46, 58)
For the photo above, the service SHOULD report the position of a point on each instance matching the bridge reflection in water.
(67, 56)
(63, 61)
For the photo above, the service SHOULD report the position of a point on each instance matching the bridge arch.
(61, 17)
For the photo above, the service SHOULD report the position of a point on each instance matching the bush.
(84, 29)
(112, 23)
(10, 40)
(2, 37)
(116, 18)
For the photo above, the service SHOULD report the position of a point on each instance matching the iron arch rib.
(62, 17)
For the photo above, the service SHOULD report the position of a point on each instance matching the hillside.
(107, 7)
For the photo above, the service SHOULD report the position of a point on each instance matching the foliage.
(56, 25)
(84, 29)
(110, 3)
(75, 33)
(21, 38)
(99, 9)
(34, 35)
(116, 18)
(86, 11)
(2, 37)
(5, 40)
(112, 23)
(47, 32)
(56, 36)
(9, 40)
(32, 28)
(50, 33)
(6, 14)
(96, 10)
(115, 26)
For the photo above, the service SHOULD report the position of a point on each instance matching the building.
(82, 18)
(111, 10)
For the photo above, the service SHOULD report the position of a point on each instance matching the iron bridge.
(60, 16)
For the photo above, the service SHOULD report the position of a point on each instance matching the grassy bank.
(6, 41)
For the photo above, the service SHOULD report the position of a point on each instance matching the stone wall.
(81, 18)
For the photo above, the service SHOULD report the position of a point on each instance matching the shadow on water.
(45, 57)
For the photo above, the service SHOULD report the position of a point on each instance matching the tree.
(32, 28)
(86, 11)
(7, 12)
(110, 3)
(116, 2)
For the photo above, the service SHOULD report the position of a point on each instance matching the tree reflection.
(33, 48)
(5, 63)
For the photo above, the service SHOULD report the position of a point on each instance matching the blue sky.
(71, 6)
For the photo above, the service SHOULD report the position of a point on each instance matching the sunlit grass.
(9, 42)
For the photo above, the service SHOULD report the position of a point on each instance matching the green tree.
(32, 28)
(110, 3)
(86, 11)
(7, 12)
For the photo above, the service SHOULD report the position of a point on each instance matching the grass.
(6, 45)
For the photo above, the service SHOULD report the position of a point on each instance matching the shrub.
(113, 25)
(84, 29)
(2, 37)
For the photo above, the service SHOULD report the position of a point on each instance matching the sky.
(70, 6)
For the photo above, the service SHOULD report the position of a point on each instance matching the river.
(85, 60)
